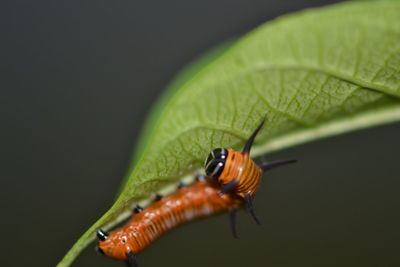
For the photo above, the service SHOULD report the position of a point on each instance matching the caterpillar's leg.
(249, 205)
(137, 209)
(232, 220)
(226, 188)
(131, 259)
(99, 250)
(181, 185)
(158, 197)
(200, 177)
(272, 164)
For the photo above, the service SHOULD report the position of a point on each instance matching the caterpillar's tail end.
(102, 235)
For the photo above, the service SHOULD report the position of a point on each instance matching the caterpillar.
(233, 178)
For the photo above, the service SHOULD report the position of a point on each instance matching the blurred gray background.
(79, 77)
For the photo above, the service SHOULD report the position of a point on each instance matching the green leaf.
(314, 74)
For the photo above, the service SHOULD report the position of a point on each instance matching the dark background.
(79, 77)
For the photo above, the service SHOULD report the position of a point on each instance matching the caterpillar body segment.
(237, 173)
(200, 199)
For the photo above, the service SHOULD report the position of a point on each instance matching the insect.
(233, 178)
(237, 173)
(200, 199)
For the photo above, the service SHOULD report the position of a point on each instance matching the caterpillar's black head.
(215, 162)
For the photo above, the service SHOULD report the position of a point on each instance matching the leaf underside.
(313, 74)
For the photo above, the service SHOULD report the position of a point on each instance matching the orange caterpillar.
(200, 199)
(234, 178)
